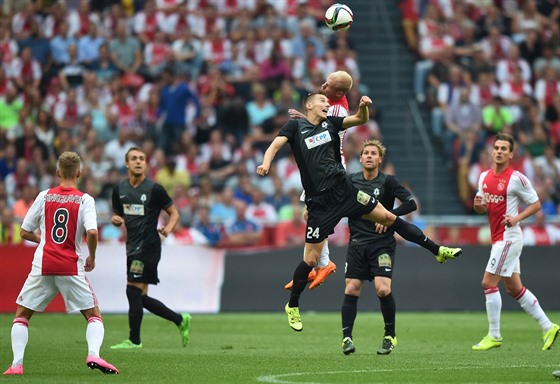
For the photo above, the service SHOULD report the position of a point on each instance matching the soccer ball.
(339, 17)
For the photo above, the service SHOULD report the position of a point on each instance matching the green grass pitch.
(261, 348)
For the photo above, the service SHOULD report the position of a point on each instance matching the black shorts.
(365, 261)
(143, 267)
(326, 210)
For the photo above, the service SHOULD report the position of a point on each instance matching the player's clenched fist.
(262, 170)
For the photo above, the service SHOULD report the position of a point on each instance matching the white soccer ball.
(339, 17)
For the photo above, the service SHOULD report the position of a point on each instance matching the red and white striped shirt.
(502, 194)
(62, 214)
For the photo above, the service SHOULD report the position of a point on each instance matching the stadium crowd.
(202, 86)
(488, 66)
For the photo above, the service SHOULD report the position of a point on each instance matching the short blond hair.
(377, 143)
(342, 81)
(68, 165)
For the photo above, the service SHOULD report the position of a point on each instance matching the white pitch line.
(278, 379)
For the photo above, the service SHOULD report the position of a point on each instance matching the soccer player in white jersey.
(337, 85)
(500, 191)
(62, 215)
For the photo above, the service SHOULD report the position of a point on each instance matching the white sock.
(20, 335)
(493, 310)
(531, 305)
(94, 335)
(324, 258)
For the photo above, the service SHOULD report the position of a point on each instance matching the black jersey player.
(330, 195)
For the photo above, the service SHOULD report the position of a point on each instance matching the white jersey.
(62, 215)
(502, 194)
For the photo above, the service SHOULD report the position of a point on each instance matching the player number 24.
(312, 232)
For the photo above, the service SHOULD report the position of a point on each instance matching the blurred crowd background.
(202, 86)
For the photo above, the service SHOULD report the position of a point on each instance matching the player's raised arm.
(361, 117)
(270, 153)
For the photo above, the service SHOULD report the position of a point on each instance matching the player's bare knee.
(383, 291)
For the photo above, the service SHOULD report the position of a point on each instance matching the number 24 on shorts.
(312, 232)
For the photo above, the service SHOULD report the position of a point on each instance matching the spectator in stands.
(68, 112)
(261, 107)
(461, 119)
(72, 73)
(11, 105)
(223, 210)
(548, 59)
(432, 47)
(25, 70)
(531, 48)
(541, 233)
(260, 211)
(547, 87)
(525, 20)
(26, 143)
(242, 232)
(170, 177)
(8, 160)
(175, 96)
(115, 150)
(187, 54)
(157, 54)
(496, 45)
(549, 163)
(28, 193)
(40, 46)
(512, 91)
(88, 45)
(212, 231)
(125, 50)
(59, 46)
(496, 117)
(146, 22)
(9, 228)
(103, 66)
(306, 36)
(291, 233)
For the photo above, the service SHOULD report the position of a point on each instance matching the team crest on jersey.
(143, 198)
(318, 139)
(376, 192)
(324, 124)
(133, 209)
(501, 186)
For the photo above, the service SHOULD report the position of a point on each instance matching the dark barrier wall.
(255, 282)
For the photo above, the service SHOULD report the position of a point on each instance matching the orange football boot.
(322, 274)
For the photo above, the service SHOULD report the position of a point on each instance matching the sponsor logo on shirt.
(133, 209)
(490, 198)
(318, 139)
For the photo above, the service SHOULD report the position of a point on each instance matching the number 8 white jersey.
(62, 215)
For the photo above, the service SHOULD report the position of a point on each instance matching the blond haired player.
(62, 214)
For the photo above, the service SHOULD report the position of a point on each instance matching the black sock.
(158, 308)
(135, 312)
(414, 234)
(300, 281)
(388, 309)
(349, 312)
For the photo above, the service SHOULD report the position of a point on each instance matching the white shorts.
(504, 258)
(38, 292)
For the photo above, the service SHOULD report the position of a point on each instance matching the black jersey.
(385, 188)
(140, 208)
(316, 149)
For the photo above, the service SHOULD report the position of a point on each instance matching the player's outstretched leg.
(322, 274)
